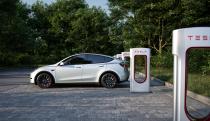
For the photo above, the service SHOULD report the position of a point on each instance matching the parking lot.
(21, 101)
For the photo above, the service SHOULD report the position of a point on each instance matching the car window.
(77, 60)
(98, 59)
(107, 59)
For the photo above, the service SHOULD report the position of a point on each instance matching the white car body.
(82, 73)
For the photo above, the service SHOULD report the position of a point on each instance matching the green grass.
(198, 83)
(164, 74)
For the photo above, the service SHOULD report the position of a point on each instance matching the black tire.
(44, 80)
(108, 80)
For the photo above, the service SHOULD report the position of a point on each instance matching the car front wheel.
(44, 80)
(109, 80)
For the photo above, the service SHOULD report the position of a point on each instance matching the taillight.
(124, 65)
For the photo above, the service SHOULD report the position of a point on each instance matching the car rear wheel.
(44, 80)
(109, 80)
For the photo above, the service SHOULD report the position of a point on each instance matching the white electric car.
(82, 68)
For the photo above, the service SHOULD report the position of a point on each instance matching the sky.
(97, 3)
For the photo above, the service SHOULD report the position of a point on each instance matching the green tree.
(195, 13)
(15, 35)
(149, 23)
(66, 27)
(90, 30)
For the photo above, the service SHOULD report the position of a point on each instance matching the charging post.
(140, 70)
(191, 50)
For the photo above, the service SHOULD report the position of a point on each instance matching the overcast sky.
(97, 3)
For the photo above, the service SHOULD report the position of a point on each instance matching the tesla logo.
(198, 37)
(126, 54)
(140, 51)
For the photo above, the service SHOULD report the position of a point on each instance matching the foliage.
(197, 82)
(162, 73)
(149, 23)
(162, 61)
(15, 33)
(42, 33)
(198, 60)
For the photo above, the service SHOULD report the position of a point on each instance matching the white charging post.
(125, 56)
(140, 70)
(184, 41)
(119, 56)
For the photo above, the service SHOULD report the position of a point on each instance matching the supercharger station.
(140, 70)
(119, 56)
(125, 56)
(184, 41)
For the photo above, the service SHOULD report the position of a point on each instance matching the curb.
(169, 85)
(14, 75)
(156, 79)
(21, 76)
(203, 99)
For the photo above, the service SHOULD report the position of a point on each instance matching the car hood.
(47, 67)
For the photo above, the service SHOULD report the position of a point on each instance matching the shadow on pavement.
(156, 82)
(89, 85)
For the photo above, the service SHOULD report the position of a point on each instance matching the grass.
(164, 74)
(197, 83)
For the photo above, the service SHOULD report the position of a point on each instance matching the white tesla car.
(82, 68)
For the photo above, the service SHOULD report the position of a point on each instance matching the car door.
(91, 71)
(71, 70)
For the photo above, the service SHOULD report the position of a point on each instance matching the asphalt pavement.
(22, 101)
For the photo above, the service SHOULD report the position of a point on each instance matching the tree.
(149, 23)
(15, 35)
(90, 30)
(66, 27)
(195, 13)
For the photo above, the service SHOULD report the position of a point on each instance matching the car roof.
(94, 54)
(85, 54)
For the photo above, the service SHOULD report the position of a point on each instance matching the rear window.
(107, 59)
(98, 59)
(76, 60)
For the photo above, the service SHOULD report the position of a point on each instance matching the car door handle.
(78, 67)
(101, 66)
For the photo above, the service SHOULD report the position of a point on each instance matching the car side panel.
(92, 71)
(69, 73)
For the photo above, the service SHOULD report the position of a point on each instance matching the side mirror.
(61, 64)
